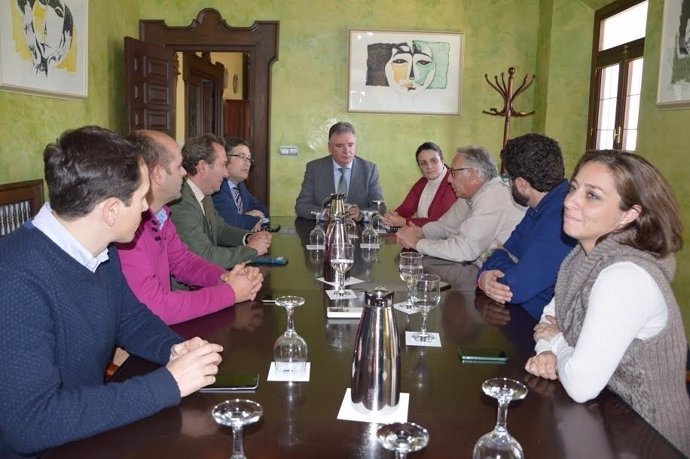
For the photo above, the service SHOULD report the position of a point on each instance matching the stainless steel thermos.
(376, 357)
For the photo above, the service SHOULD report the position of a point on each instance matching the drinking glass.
(290, 350)
(378, 222)
(342, 258)
(427, 294)
(499, 443)
(317, 237)
(236, 414)
(410, 266)
(369, 235)
(350, 225)
(403, 438)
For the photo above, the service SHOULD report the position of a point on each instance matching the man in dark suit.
(233, 201)
(341, 172)
(195, 216)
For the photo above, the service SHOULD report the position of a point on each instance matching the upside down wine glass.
(236, 414)
(427, 295)
(317, 238)
(342, 258)
(290, 350)
(403, 438)
(370, 237)
(410, 267)
(350, 225)
(378, 222)
(498, 443)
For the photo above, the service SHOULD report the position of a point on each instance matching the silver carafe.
(335, 234)
(375, 384)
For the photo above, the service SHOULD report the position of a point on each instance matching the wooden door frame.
(210, 32)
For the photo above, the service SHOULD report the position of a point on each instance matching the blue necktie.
(238, 199)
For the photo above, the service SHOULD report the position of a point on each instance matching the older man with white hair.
(481, 220)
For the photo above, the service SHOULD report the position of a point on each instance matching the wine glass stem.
(410, 294)
(502, 416)
(340, 282)
(237, 443)
(400, 455)
(422, 332)
(290, 320)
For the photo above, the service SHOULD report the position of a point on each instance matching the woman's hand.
(393, 219)
(544, 365)
(546, 330)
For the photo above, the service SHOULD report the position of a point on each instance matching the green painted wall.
(552, 38)
(28, 122)
(310, 78)
(664, 138)
(566, 71)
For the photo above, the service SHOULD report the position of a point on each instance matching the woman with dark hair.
(614, 321)
(431, 196)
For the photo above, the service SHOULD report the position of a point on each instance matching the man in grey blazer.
(341, 172)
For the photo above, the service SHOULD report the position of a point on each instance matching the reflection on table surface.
(299, 419)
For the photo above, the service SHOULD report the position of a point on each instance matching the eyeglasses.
(249, 159)
(453, 171)
(506, 178)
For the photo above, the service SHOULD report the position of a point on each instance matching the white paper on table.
(350, 281)
(301, 376)
(399, 414)
(347, 312)
(402, 307)
(315, 247)
(434, 341)
(346, 295)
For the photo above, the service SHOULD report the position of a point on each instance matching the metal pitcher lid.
(378, 296)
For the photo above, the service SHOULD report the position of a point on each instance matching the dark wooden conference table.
(299, 419)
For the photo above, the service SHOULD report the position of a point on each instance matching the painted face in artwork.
(48, 29)
(410, 69)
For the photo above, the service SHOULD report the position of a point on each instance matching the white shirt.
(198, 194)
(428, 194)
(625, 304)
(46, 223)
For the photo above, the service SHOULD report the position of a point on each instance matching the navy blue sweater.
(60, 324)
(540, 245)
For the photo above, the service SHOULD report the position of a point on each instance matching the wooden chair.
(19, 202)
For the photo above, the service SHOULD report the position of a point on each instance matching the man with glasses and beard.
(523, 271)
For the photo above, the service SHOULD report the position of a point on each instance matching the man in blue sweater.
(233, 201)
(524, 270)
(66, 306)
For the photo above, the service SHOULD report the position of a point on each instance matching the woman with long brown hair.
(614, 321)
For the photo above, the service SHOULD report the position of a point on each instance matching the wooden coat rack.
(506, 91)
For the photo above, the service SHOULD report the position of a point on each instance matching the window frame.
(622, 55)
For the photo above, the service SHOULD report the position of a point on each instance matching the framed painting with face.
(674, 61)
(405, 72)
(44, 47)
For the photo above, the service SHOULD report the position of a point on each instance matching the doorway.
(209, 32)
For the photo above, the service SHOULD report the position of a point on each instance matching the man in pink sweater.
(157, 252)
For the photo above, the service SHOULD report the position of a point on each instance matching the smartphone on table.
(476, 354)
(233, 382)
